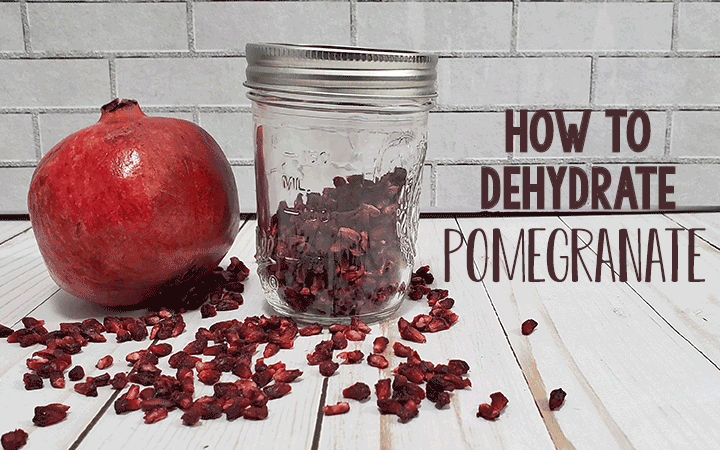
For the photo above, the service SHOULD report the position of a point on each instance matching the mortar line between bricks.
(464, 54)
(668, 134)
(25, 26)
(675, 27)
(593, 80)
(514, 27)
(112, 70)
(36, 134)
(190, 23)
(353, 22)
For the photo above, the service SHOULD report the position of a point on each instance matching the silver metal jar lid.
(345, 71)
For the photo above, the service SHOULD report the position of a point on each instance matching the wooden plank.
(709, 221)
(12, 228)
(691, 308)
(632, 380)
(291, 420)
(24, 280)
(477, 338)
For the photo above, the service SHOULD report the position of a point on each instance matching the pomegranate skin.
(133, 207)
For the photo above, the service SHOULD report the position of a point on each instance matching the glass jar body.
(338, 184)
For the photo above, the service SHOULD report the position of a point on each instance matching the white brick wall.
(59, 61)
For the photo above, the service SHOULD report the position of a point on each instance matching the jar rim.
(328, 70)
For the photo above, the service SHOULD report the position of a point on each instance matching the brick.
(598, 141)
(182, 81)
(464, 135)
(513, 81)
(695, 133)
(245, 181)
(594, 26)
(16, 138)
(54, 82)
(696, 186)
(658, 81)
(232, 131)
(231, 25)
(435, 26)
(16, 183)
(107, 26)
(699, 26)
(11, 33)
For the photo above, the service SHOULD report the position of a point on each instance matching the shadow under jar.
(340, 141)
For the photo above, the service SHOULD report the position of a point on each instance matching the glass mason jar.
(340, 141)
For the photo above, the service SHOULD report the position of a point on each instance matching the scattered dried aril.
(32, 382)
(104, 362)
(492, 411)
(5, 332)
(160, 350)
(378, 361)
(310, 330)
(13, 440)
(49, 414)
(339, 408)
(358, 391)
(328, 368)
(352, 357)
(380, 344)
(277, 390)
(528, 326)
(557, 398)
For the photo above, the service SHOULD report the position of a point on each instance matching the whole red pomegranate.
(133, 207)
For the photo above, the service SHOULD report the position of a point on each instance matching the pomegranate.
(133, 206)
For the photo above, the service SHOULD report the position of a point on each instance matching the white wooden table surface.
(640, 361)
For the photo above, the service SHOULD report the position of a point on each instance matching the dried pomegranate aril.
(352, 357)
(378, 361)
(209, 377)
(528, 326)
(32, 382)
(5, 331)
(401, 350)
(458, 367)
(287, 376)
(389, 406)
(13, 440)
(408, 332)
(408, 411)
(207, 310)
(271, 349)
(380, 344)
(119, 380)
(557, 398)
(358, 324)
(328, 368)
(311, 330)
(354, 335)
(57, 380)
(382, 388)
(104, 362)
(156, 415)
(161, 350)
(255, 412)
(339, 408)
(492, 411)
(87, 389)
(277, 390)
(49, 414)
(340, 342)
(190, 418)
(358, 391)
